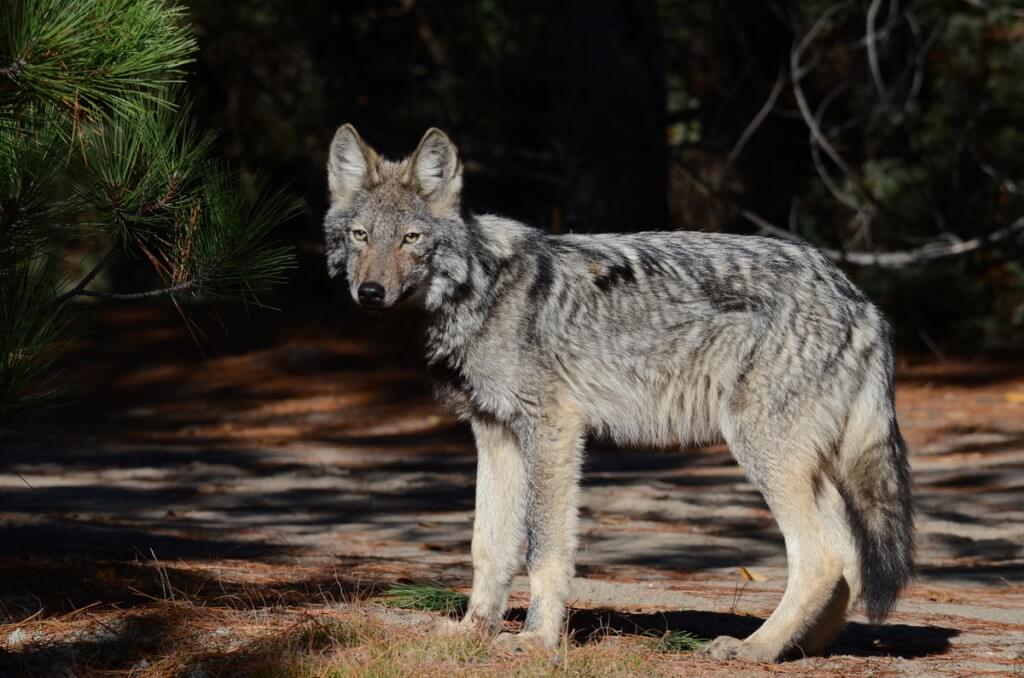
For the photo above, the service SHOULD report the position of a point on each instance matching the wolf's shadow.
(857, 639)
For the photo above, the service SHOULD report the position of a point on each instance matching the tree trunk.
(617, 152)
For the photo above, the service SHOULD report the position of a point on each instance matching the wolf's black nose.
(371, 294)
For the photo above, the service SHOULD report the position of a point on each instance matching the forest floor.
(241, 515)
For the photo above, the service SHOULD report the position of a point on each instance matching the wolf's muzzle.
(371, 294)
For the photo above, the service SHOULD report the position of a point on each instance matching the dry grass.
(155, 619)
(367, 647)
(150, 619)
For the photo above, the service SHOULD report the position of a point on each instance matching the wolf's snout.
(371, 294)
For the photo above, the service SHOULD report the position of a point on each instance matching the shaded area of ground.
(285, 481)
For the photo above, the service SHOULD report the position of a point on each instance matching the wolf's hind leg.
(498, 523)
(817, 594)
(838, 534)
(553, 450)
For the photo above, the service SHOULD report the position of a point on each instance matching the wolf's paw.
(521, 643)
(446, 626)
(727, 647)
(470, 624)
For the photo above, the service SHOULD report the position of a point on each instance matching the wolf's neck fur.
(470, 274)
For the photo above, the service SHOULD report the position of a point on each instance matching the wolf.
(655, 339)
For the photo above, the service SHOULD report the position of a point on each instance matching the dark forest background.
(887, 132)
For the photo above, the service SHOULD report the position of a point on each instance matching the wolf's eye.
(359, 234)
(411, 237)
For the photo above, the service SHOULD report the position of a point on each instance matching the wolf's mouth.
(382, 305)
(406, 293)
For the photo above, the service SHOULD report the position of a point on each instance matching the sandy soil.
(289, 477)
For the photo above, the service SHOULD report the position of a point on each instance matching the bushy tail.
(875, 486)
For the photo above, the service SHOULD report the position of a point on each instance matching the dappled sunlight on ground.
(186, 508)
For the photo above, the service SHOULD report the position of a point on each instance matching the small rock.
(16, 637)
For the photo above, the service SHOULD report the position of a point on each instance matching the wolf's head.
(388, 220)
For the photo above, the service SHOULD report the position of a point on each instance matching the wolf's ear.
(351, 165)
(435, 169)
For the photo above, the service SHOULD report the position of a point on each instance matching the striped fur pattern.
(660, 339)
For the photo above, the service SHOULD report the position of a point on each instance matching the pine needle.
(425, 597)
(96, 149)
(679, 641)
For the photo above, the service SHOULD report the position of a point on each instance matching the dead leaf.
(752, 575)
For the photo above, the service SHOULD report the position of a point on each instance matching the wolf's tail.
(874, 482)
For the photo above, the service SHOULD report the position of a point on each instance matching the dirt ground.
(266, 487)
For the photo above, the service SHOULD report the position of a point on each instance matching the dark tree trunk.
(617, 152)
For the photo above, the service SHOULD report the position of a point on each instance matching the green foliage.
(425, 597)
(98, 157)
(232, 252)
(679, 641)
(92, 56)
(32, 219)
(140, 171)
(32, 334)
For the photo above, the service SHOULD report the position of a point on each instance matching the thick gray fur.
(660, 339)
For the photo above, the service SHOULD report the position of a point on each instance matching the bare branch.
(819, 139)
(917, 79)
(1003, 181)
(798, 73)
(914, 70)
(897, 259)
(429, 40)
(826, 178)
(773, 96)
(871, 38)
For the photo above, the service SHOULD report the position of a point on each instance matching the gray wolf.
(648, 338)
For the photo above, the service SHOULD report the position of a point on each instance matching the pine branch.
(95, 138)
(77, 289)
(93, 58)
(129, 296)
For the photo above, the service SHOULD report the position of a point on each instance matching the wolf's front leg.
(553, 452)
(498, 524)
